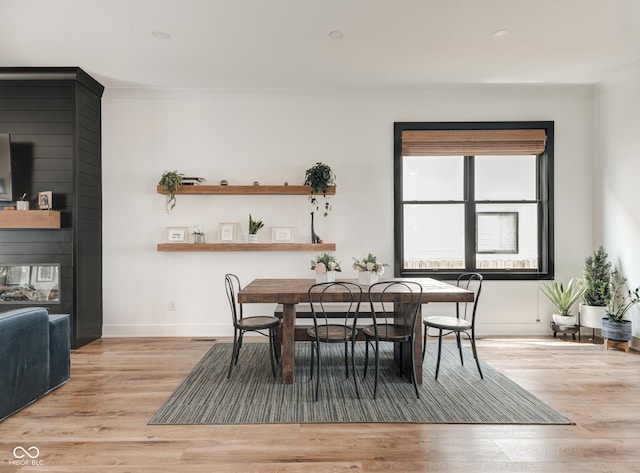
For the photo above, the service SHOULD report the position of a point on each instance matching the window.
(474, 197)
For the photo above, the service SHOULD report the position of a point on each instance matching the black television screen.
(6, 193)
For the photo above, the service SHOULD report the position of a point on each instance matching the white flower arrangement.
(325, 262)
(370, 264)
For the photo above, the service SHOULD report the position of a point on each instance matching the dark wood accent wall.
(54, 118)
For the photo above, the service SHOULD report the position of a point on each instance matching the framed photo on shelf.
(281, 234)
(227, 232)
(45, 274)
(176, 234)
(44, 200)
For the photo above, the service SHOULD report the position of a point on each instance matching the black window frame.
(544, 200)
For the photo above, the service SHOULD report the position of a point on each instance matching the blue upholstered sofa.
(35, 352)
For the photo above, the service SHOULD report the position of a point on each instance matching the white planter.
(329, 276)
(564, 320)
(367, 277)
(252, 238)
(591, 316)
(22, 205)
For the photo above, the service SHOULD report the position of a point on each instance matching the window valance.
(472, 142)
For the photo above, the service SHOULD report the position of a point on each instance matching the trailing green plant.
(171, 182)
(254, 225)
(596, 275)
(563, 297)
(319, 177)
(619, 302)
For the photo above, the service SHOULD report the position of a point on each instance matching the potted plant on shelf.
(170, 181)
(596, 275)
(325, 265)
(254, 226)
(563, 298)
(198, 234)
(319, 177)
(614, 326)
(369, 269)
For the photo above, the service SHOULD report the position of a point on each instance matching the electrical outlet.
(172, 305)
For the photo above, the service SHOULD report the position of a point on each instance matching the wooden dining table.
(290, 292)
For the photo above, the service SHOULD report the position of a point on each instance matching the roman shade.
(472, 142)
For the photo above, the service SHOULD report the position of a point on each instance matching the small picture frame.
(44, 200)
(227, 232)
(281, 234)
(45, 273)
(176, 234)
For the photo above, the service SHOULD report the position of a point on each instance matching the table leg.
(288, 342)
(402, 316)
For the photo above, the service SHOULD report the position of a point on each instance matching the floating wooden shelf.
(245, 190)
(182, 247)
(29, 219)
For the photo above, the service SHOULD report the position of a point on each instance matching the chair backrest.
(232, 285)
(324, 300)
(470, 282)
(385, 307)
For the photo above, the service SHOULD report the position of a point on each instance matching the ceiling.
(258, 44)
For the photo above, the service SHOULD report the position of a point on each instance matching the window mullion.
(470, 214)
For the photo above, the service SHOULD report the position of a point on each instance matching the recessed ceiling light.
(335, 34)
(499, 33)
(161, 34)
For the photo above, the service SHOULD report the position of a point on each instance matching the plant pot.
(252, 238)
(616, 331)
(367, 277)
(564, 320)
(591, 316)
(329, 276)
(22, 205)
(198, 238)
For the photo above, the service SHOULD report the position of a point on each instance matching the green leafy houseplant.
(619, 303)
(563, 297)
(319, 177)
(254, 225)
(170, 181)
(596, 275)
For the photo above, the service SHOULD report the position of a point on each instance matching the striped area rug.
(252, 396)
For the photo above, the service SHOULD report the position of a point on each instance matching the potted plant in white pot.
(597, 269)
(369, 269)
(325, 265)
(614, 326)
(254, 226)
(563, 298)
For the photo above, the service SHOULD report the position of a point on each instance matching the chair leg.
(414, 367)
(459, 348)
(475, 353)
(271, 352)
(233, 352)
(313, 354)
(439, 353)
(424, 342)
(239, 345)
(346, 360)
(353, 366)
(366, 357)
(318, 375)
(377, 360)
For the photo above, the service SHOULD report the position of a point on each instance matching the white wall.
(274, 137)
(617, 171)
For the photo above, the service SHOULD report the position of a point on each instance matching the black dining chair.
(327, 328)
(387, 328)
(242, 324)
(463, 322)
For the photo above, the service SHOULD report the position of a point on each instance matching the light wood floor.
(98, 421)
